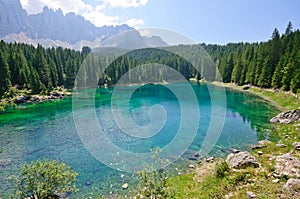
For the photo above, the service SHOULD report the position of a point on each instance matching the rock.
(287, 165)
(20, 99)
(5, 162)
(296, 145)
(194, 156)
(276, 181)
(125, 186)
(35, 99)
(281, 145)
(191, 166)
(230, 150)
(287, 117)
(253, 147)
(210, 159)
(88, 182)
(246, 88)
(241, 160)
(250, 195)
(259, 152)
(293, 187)
(264, 142)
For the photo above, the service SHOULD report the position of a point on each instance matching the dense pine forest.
(272, 64)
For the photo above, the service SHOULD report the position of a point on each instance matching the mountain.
(13, 18)
(53, 28)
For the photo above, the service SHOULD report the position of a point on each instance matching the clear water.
(47, 131)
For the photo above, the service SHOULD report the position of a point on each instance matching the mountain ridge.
(52, 29)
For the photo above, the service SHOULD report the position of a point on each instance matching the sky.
(208, 21)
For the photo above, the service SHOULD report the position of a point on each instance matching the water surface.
(46, 131)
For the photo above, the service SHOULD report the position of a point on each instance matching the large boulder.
(241, 160)
(287, 165)
(287, 117)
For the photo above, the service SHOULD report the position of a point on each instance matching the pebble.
(191, 166)
(210, 159)
(259, 152)
(276, 181)
(281, 145)
(250, 195)
(125, 186)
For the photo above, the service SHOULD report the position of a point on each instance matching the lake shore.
(282, 100)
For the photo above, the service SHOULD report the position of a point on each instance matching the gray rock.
(210, 159)
(264, 142)
(254, 147)
(194, 155)
(250, 195)
(293, 187)
(20, 99)
(5, 162)
(296, 145)
(241, 160)
(287, 117)
(281, 145)
(125, 186)
(287, 165)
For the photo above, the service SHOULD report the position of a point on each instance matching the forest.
(271, 64)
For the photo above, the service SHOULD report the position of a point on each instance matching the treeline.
(37, 68)
(272, 64)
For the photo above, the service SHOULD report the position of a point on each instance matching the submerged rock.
(241, 160)
(125, 186)
(5, 162)
(194, 155)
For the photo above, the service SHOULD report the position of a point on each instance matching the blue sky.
(211, 21)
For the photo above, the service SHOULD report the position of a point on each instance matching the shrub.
(153, 183)
(222, 169)
(45, 179)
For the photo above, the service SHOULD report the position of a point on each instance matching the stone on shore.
(241, 160)
(287, 117)
(287, 165)
(296, 145)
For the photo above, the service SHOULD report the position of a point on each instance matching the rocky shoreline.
(26, 97)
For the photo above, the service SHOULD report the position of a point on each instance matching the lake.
(47, 131)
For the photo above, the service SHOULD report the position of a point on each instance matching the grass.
(283, 100)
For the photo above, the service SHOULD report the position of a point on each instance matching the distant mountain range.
(52, 28)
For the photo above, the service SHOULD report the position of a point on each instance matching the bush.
(222, 169)
(153, 183)
(45, 179)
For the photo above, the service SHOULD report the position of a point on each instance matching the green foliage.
(153, 183)
(271, 64)
(222, 169)
(45, 179)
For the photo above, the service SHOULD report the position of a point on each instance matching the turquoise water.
(47, 131)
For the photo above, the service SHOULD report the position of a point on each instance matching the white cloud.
(36, 6)
(134, 22)
(100, 19)
(93, 14)
(125, 3)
